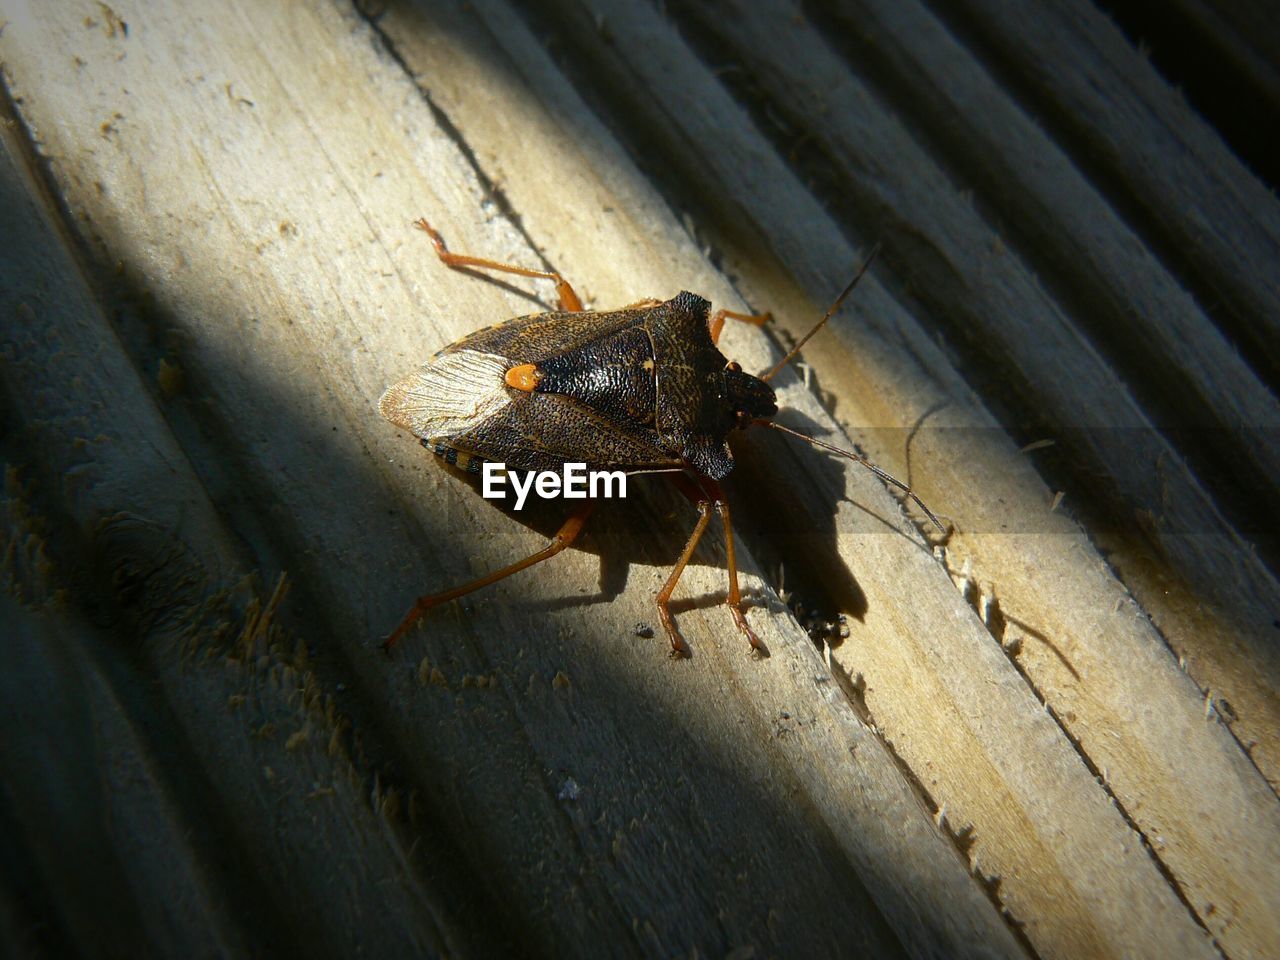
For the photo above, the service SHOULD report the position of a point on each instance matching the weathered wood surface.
(209, 275)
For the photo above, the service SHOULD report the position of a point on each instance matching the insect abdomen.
(451, 455)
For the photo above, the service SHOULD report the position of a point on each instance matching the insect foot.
(705, 493)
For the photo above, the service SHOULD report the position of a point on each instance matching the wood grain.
(243, 259)
(1005, 757)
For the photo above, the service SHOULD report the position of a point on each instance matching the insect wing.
(540, 336)
(544, 431)
(450, 394)
(459, 399)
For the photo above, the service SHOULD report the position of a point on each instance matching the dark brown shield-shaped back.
(543, 428)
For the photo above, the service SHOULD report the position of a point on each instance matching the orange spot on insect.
(524, 377)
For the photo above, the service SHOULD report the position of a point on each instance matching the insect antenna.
(858, 458)
(827, 316)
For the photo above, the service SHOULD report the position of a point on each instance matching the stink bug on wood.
(643, 389)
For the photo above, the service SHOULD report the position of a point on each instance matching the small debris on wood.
(169, 378)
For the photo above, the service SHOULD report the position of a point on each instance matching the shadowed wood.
(1004, 757)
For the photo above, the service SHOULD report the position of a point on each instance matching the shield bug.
(643, 389)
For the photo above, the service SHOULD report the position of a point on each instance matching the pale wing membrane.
(452, 393)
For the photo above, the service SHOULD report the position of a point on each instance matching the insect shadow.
(788, 520)
(791, 529)
(622, 533)
(534, 297)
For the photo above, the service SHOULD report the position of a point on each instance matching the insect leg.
(734, 600)
(563, 538)
(716, 323)
(704, 492)
(678, 646)
(568, 299)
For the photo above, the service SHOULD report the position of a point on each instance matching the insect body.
(643, 389)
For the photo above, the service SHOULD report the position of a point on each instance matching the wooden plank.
(1054, 579)
(257, 193)
(1223, 57)
(1085, 623)
(140, 882)
(224, 795)
(259, 200)
(1115, 290)
(460, 89)
(1247, 34)
(1180, 187)
(1033, 183)
(986, 295)
(1171, 174)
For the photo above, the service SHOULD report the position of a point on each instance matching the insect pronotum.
(643, 389)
